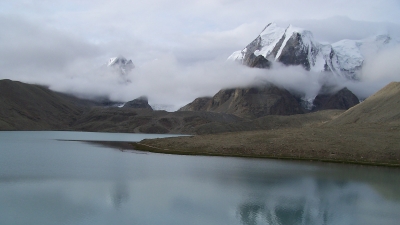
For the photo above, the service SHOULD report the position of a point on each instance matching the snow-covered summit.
(297, 46)
(121, 63)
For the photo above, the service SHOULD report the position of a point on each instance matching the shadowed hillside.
(249, 102)
(33, 107)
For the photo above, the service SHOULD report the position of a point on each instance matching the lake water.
(44, 180)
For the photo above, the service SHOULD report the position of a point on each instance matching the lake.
(45, 179)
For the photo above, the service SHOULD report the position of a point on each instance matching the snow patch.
(236, 56)
(270, 37)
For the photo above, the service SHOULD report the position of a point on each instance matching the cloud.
(378, 71)
(164, 81)
(29, 52)
(337, 28)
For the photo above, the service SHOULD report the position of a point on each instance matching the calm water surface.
(44, 180)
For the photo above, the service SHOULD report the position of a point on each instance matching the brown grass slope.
(33, 107)
(381, 108)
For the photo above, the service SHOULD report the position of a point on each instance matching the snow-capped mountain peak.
(119, 61)
(269, 37)
(122, 64)
(297, 46)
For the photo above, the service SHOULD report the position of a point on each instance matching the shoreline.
(367, 145)
(137, 146)
(147, 148)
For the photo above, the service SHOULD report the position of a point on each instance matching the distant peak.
(121, 64)
(120, 60)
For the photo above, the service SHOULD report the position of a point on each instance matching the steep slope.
(249, 102)
(32, 107)
(297, 46)
(343, 99)
(382, 108)
(290, 46)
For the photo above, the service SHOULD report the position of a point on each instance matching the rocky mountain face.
(249, 102)
(343, 99)
(263, 100)
(139, 103)
(296, 46)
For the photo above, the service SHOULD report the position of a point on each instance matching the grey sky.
(59, 43)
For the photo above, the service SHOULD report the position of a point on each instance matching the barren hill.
(34, 107)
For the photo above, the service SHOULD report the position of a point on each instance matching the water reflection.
(120, 194)
(43, 181)
(317, 201)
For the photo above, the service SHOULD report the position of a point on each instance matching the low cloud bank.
(166, 81)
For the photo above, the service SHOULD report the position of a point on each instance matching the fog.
(167, 81)
(337, 28)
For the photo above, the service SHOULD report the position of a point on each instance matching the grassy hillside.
(383, 108)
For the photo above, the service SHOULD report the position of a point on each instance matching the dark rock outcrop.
(343, 99)
(294, 52)
(257, 61)
(255, 101)
(139, 103)
(250, 102)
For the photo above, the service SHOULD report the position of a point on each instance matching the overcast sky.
(178, 47)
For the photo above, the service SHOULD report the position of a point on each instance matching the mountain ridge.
(297, 46)
(268, 99)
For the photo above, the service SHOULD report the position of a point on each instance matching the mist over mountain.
(330, 67)
(294, 46)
